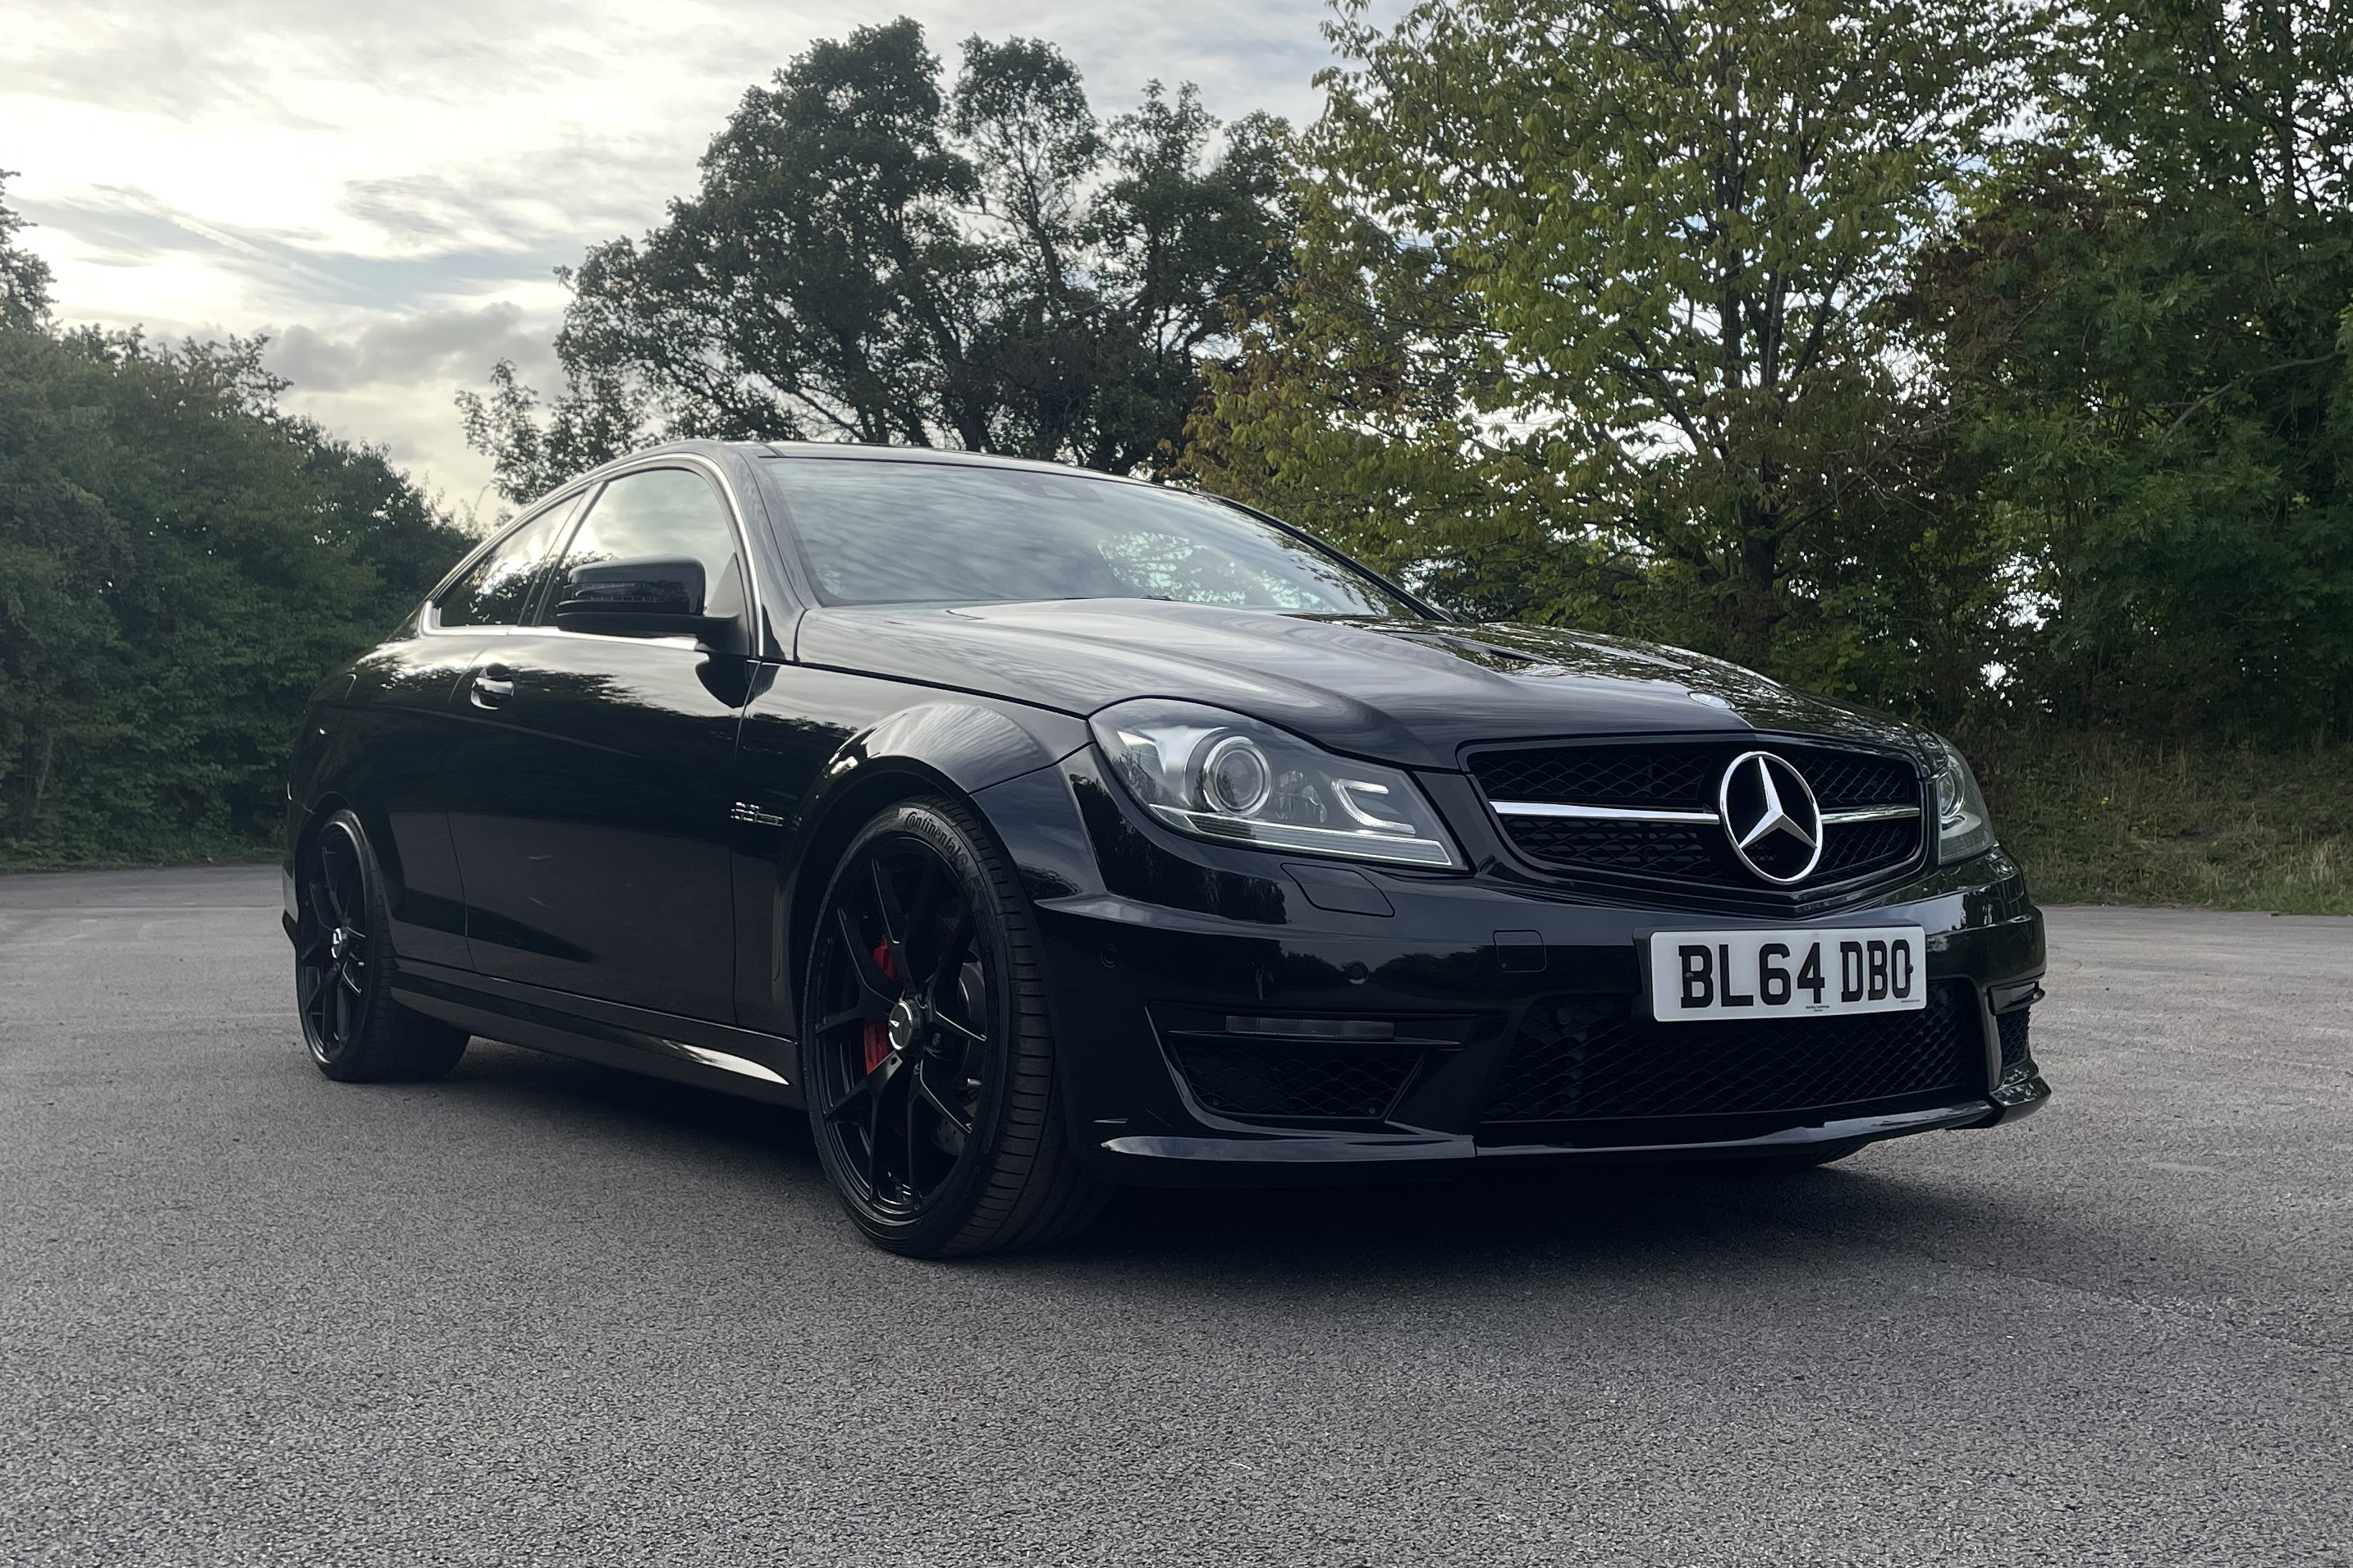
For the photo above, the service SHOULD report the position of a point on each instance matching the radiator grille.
(1684, 776)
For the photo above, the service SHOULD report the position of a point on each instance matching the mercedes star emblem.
(1770, 816)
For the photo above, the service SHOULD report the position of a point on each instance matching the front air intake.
(1592, 1060)
(1296, 1067)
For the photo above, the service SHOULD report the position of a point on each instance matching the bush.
(2098, 818)
(180, 564)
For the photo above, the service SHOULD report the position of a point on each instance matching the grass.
(2100, 819)
(16, 860)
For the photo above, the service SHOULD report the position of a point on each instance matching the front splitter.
(1313, 1157)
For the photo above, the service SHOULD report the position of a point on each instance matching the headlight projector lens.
(1235, 777)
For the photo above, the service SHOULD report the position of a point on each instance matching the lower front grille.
(1298, 1068)
(1293, 1079)
(1586, 1058)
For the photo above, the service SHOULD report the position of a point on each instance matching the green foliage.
(24, 277)
(1591, 322)
(180, 564)
(2142, 319)
(2101, 818)
(596, 417)
(874, 257)
(1960, 359)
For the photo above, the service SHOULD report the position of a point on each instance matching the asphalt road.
(548, 1313)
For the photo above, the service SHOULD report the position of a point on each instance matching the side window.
(660, 513)
(496, 591)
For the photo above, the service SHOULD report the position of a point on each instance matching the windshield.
(890, 533)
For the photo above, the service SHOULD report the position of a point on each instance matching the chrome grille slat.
(1597, 813)
(1646, 811)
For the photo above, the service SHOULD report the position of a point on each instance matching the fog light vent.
(1315, 1028)
(1324, 1068)
(1301, 1081)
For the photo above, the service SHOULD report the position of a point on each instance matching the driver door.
(592, 826)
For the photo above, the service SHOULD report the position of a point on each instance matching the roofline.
(855, 451)
(863, 452)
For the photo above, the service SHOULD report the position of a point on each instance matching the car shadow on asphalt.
(1598, 1215)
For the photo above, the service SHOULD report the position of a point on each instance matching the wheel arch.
(879, 784)
(321, 809)
(954, 749)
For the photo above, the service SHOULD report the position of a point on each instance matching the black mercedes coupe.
(1040, 832)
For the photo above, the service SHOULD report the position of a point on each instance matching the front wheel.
(929, 1056)
(342, 958)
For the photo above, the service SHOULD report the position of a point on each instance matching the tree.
(1596, 293)
(24, 277)
(874, 257)
(2143, 314)
(180, 564)
(598, 416)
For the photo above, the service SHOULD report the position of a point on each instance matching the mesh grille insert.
(1295, 1079)
(1582, 1058)
(1683, 776)
(2013, 1025)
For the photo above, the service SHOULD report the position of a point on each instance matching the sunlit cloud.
(386, 191)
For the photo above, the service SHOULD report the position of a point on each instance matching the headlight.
(1219, 775)
(1963, 827)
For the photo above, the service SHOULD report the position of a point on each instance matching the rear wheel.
(343, 956)
(929, 1058)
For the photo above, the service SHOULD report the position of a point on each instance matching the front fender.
(813, 773)
(969, 745)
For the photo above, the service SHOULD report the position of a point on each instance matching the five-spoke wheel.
(927, 1056)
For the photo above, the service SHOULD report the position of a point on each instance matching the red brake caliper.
(878, 1034)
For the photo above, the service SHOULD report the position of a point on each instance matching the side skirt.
(687, 1050)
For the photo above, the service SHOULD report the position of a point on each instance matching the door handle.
(492, 686)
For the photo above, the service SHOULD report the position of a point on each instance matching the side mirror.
(660, 597)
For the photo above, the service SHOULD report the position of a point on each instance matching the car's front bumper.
(1480, 958)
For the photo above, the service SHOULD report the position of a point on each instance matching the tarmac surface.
(548, 1313)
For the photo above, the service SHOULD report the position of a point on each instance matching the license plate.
(1785, 974)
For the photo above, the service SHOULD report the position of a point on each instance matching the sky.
(385, 190)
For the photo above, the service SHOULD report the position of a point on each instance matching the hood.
(1409, 692)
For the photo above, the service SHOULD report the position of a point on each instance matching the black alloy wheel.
(929, 1059)
(357, 1032)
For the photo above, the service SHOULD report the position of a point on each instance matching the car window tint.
(496, 591)
(911, 532)
(659, 513)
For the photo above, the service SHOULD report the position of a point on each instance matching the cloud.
(292, 64)
(122, 226)
(392, 381)
(549, 200)
(457, 346)
(399, 182)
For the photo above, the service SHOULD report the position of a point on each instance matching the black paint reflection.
(592, 824)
